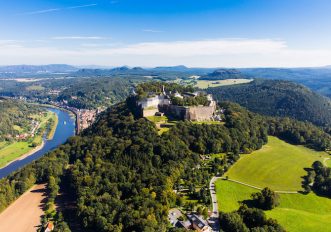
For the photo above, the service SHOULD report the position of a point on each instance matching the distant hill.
(223, 74)
(278, 98)
(317, 79)
(38, 69)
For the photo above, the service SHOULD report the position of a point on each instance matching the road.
(24, 214)
(214, 218)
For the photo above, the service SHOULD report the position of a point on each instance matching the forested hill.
(223, 74)
(95, 92)
(121, 174)
(278, 98)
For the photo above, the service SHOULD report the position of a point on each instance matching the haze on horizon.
(213, 33)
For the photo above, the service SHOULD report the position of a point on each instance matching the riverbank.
(64, 130)
(71, 112)
(20, 157)
(53, 126)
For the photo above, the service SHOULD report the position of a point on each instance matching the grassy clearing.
(35, 88)
(18, 128)
(278, 165)
(204, 84)
(163, 123)
(297, 212)
(157, 119)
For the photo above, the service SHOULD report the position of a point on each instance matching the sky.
(148, 33)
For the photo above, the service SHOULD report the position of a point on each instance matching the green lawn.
(204, 84)
(157, 119)
(296, 212)
(13, 151)
(278, 165)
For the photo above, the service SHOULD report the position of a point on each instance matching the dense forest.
(15, 113)
(94, 92)
(278, 98)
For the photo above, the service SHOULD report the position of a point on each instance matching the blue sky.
(209, 33)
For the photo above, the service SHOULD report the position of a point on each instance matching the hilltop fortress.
(185, 106)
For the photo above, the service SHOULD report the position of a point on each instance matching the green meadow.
(296, 212)
(278, 165)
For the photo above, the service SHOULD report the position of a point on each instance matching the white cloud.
(82, 6)
(56, 9)
(152, 31)
(40, 11)
(202, 53)
(77, 38)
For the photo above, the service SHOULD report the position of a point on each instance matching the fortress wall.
(200, 113)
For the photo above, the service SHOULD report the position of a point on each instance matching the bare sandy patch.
(24, 214)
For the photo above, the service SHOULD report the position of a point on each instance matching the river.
(65, 129)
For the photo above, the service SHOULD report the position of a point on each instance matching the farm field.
(278, 165)
(24, 214)
(296, 212)
(204, 84)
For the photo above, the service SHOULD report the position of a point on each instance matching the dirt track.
(24, 214)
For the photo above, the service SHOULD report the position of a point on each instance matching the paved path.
(214, 218)
(324, 161)
(24, 214)
(258, 188)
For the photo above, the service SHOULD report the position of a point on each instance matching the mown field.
(204, 84)
(278, 165)
(296, 212)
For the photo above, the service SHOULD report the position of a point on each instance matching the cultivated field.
(296, 213)
(278, 165)
(204, 84)
(24, 214)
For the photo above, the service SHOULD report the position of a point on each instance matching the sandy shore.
(24, 214)
(34, 150)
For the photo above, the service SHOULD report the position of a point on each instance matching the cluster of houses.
(84, 117)
(161, 104)
(192, 221)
